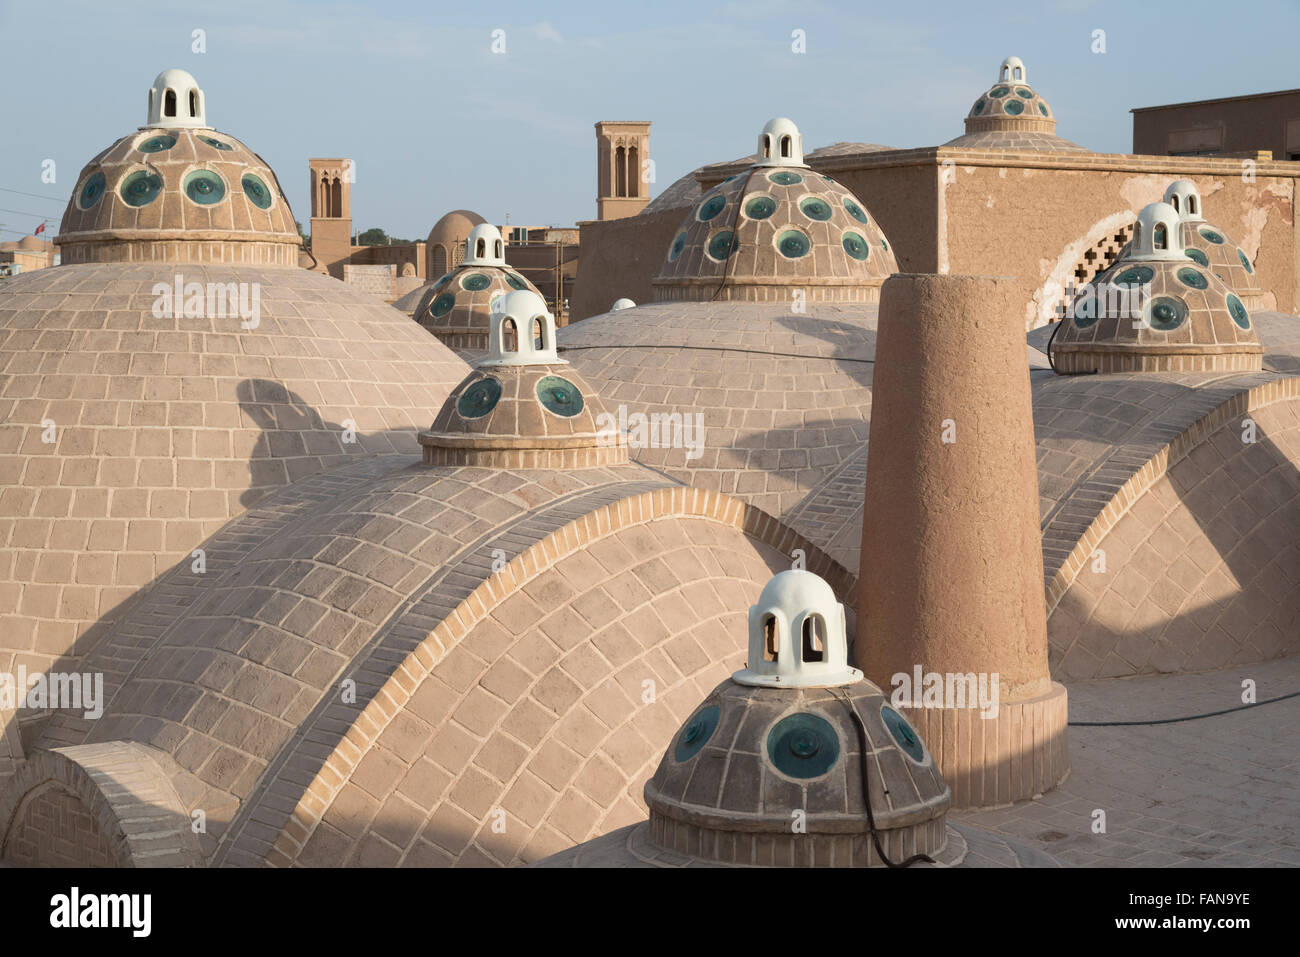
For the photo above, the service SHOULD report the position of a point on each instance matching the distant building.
(26, 255)
(1261, 122)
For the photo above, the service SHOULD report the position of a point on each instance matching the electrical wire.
(866, 788)
(1190, 717)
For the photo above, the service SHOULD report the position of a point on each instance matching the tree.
(374, 237)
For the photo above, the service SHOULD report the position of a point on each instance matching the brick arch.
(99, 805)
(396, 699)
(1202, 548)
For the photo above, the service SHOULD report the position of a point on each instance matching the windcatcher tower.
(621, 149)
(331, 214)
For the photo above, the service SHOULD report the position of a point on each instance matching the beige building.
(1244, 126)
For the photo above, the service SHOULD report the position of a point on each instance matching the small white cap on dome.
(797, 636)
(620, 304)
(1185, 198)
(534, 331)
(1157, 234)
(1013, 71)
(176, 102)
(485, 247)
(780, 144)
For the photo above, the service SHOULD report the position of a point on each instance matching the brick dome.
(777, 232)
(1157, 309)
(181, 193)
(1012, 115)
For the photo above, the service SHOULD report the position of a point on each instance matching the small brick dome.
(1212, 247)
(777, 228)
(1012, 115)
(1157, 309)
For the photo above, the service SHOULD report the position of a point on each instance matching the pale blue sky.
(436, 121)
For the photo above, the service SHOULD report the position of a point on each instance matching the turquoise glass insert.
(697, 732)
(256, 191)
(559, 395)
(479, 399)
(204, 187)
(141, 188)
(803, 745)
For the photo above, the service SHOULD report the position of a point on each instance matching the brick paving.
(1215, 792)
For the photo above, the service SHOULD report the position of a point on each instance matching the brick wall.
(53, 828)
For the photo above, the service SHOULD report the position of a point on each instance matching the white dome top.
(176, 102)
(780, 144)
(797, 636)
(1013, 71)
(485, 247)
(1156, 235)
(1185, 198)
(533, 327)
(621, 304)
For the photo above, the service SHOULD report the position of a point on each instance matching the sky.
(435, 120)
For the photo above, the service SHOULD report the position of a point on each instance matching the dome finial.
(485, 246)
(521, 331)
(797, 636)
(1013, 71)
(780, 144)
(176, 102)
(1157, 234)
(1185, 198)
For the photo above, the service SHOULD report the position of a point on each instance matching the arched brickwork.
(100, 805)
(1201, 551)
(765, 541)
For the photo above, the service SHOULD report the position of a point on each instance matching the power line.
(48, 199)
(24, 212)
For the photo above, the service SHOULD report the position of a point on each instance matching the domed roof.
(751, 753)
(182, 389)
(32, 242)
(1011, 115)
(457, 306)
(1211, 246)
(523, 406)
(454, 227)
(173, 189)
(1157, 309)
(779, 227)
(8, 247)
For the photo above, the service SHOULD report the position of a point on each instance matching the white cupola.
(621, 304)
(485, 247)
(1184, 197)
(780, 144)
(797, 636)
(1013, 71)
(1156, 235)
(176, 102)
(520, 320)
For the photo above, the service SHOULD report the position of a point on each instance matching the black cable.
(757, 352)
(1190, 717)
(735, 224)
(866, 790)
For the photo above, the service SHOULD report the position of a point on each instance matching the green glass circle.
(475, 282)
(1167, 313)
(785, 178)
(216, 143)
(559, 395)
(1245, 262)
(856, 246)
(854, 210)
(712, 206)
(722, 245)
(978, 108)
(815, 208)
(1238, 311)
(1192, 277)
(1024, 93)
(1015, 107)
(760, 207)
(442, 281)
(903, 734)
(256, 191)
(998, 92)
(479, 399)
(803, 745)
(697, 732)
(157, 144)
(141, 188)
(1195, 255)
(793, 244)
(1135, 276)
(884, 245)
(516, 282)
(204, 187)
(676, 249)
(1042, 107)
(1084, 309)
(93, 191)
(1211, 235)
(442, 305)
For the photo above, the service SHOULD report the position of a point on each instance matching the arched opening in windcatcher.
(169, 103)
(770, 638)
